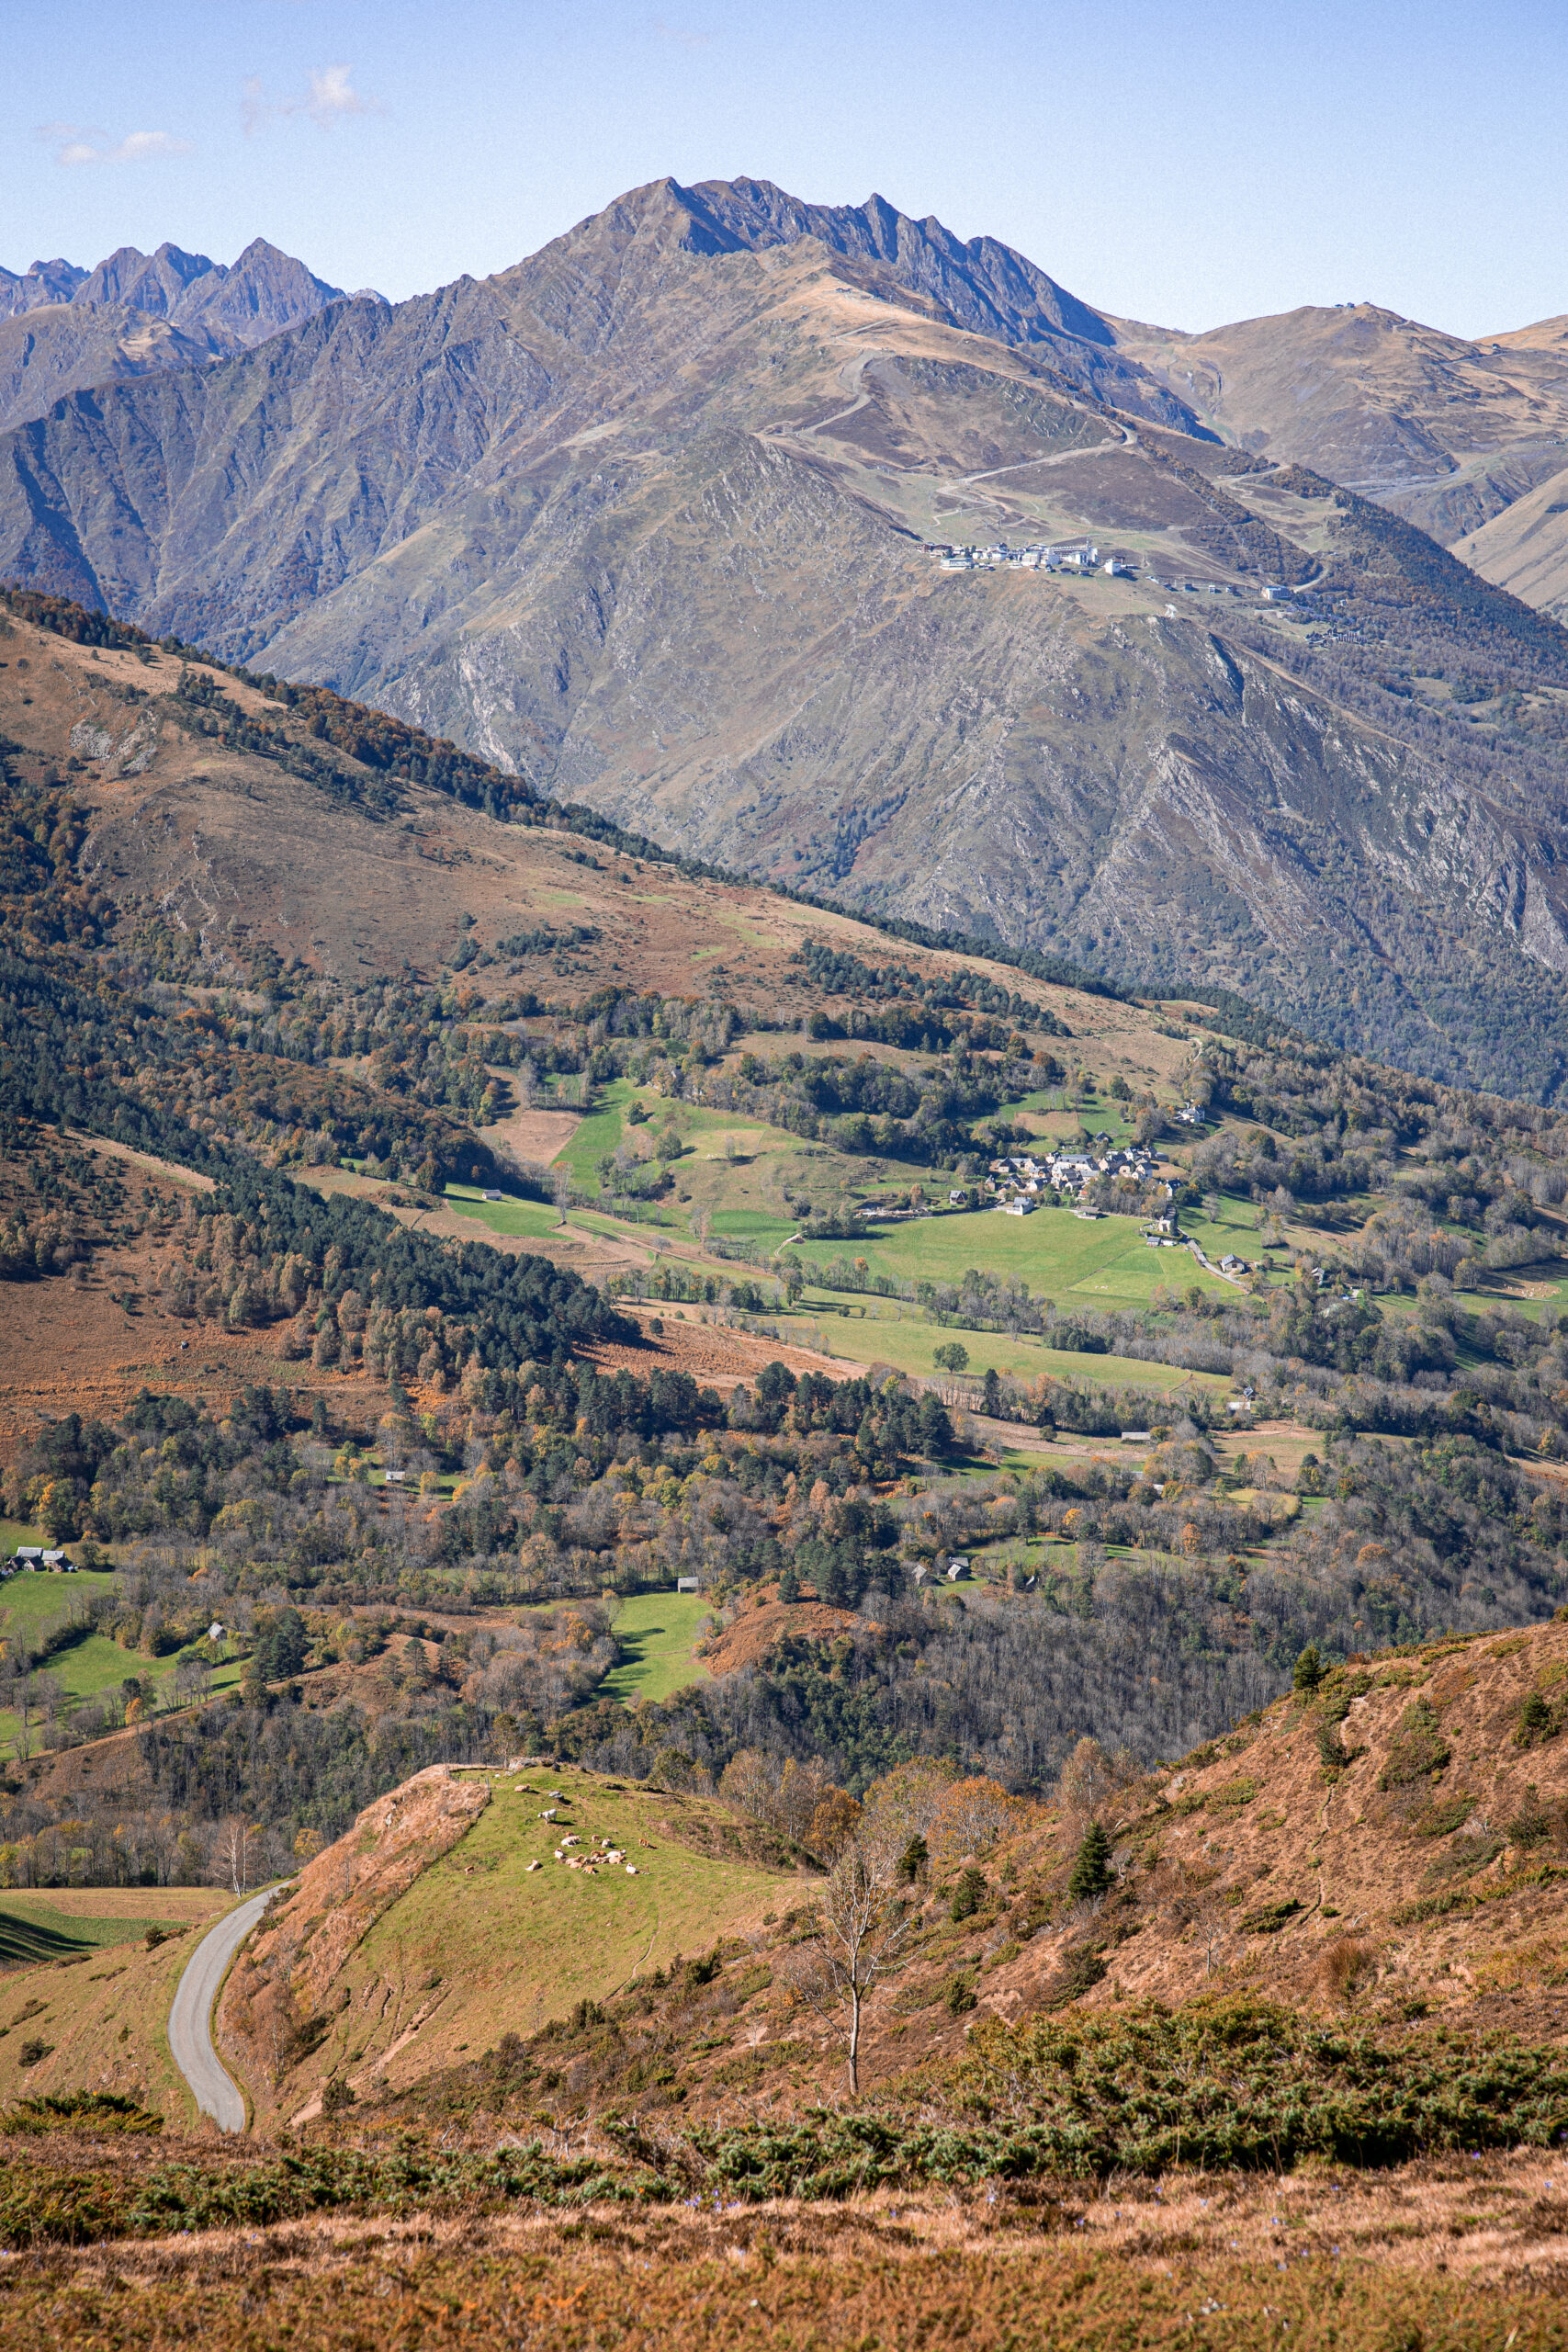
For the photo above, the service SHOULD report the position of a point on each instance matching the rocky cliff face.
(643, 518)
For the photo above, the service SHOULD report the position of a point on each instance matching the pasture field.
(599, 1131)
(33, 1605)
(507, 1947)
(507, 1218)
(658, 1630)
(1234, 1228)
(1063, 1124)
(908, 1342)
(1104, 1262)
(729, 1160)
(758, 1226)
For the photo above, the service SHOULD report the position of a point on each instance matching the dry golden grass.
(1429, 2256)
(187, 826)
(1345, 1963)
(103, 2018)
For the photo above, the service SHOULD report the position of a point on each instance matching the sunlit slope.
(80, 1982)
(470, 1942)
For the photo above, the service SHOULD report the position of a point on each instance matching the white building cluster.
(1068, 555)
(1020, 1181)
(1084, 556)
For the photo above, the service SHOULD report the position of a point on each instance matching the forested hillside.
(411, 1301)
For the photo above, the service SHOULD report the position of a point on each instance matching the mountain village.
(1082, 556)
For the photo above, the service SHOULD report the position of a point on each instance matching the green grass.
(29, 1603)
(626, 1227)
(515, 1947)
(752, 1224)
(528, 1217)
(1103, 1263)
(908, 1341)
(597, 1132)
(17, 1531)
(657, 1631)
(33, 1929)
(1554, 1292)
(28, 1941)
(1106, 1118)
(725, 1187)
(1235, 1227)
(32, 1605)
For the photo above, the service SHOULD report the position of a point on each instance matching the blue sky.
(1182, 163)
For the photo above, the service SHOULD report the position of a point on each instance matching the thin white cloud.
(680, 36)
(327, 98)
(77, 142)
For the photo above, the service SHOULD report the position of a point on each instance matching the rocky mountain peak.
(157, 283)
(41, 283)
(983, 284)
(263, 292)
(63, 329)
(266, 291)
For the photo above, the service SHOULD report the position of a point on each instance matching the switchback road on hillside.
(190, 2016)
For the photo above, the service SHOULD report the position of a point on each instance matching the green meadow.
(513, 1946)
(657, 1631)
(597, 1132)
(903, 1340)
(33, 1605)
(502, 1217)
(1104, 1262)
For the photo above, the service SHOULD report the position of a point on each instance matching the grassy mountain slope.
(86, 1977)
(245, 1173)
(1387, 1849)
(230, 819)
(1525, 549)
(1375, 400)
(1386, 1853)
(1431, 923)
(412, 1940)
(1454, 437)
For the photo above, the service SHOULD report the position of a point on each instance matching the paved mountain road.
(190, 2016)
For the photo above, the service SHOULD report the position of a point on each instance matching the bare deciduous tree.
(863, 1934)
(234, 1852)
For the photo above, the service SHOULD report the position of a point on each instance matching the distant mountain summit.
(64, 328)
(982, 285)
(259, 295)
(45, 282)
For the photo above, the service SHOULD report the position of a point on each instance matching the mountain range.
(646, 520)
(64, 329)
